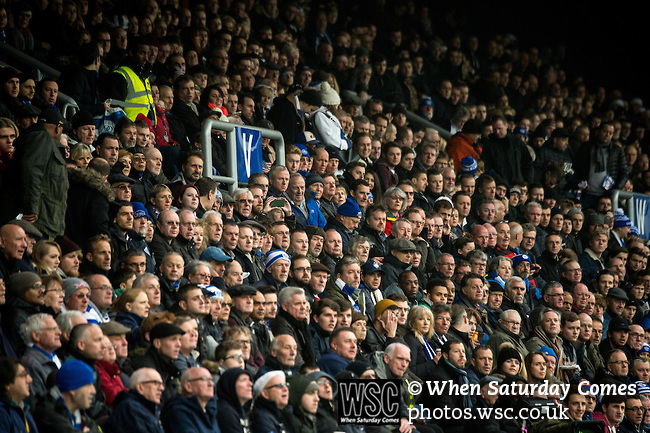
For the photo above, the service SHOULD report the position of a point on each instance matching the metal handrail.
(618, 194)
(28, 60)
(414, 118)
(231, 149)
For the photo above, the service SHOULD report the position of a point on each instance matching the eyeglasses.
(635, 408)
(57, 291)
(278, 386)
(512, 322)
(236, 357)
(38, 287)
(157, 383)
(636, 335)
(622, 362)
(248, 342)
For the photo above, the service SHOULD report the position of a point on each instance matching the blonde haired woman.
(419, 325)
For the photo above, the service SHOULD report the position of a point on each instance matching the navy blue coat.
(184, 415)
(13, 419)
(134, 413)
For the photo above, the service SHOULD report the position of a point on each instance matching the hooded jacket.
(303, 422)
(232, 416)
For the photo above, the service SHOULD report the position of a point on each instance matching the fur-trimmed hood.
(93, 180)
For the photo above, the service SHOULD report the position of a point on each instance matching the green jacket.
(41, 170)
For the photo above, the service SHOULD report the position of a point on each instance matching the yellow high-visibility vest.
(139, 98)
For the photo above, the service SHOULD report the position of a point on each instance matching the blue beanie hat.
(621, 220)
(139, 210)
(274, 256)
(73, 375)
(516, 260)
(350, 209)
(548, 351)
(468, 165)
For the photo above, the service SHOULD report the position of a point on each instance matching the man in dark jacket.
(346, 221)
(452, 364)
(36, 184)
(164, 237)
(165, 347)
(137, 408)
(26, 297)
(397, 261)
(506, 157)
(80, 81)
(374, 228)
(14, 390)
(195, 409)
(13, 249)
(292, 320)
(600, 163)
(86, 344)
(271, 401)
(75, 383)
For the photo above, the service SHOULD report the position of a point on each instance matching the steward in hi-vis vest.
(128, 86)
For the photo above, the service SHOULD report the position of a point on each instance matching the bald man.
(196, 397)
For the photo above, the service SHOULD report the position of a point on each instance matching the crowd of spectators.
(139, 294)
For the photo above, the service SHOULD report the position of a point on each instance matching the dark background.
(606, 46)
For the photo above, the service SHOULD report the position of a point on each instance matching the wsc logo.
(375, 401)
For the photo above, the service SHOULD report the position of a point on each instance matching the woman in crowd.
(46, 257)
(109, 372)
(131, 308)
(395, 202)
(187, 197)
(500, 270)
(54, 294)
(81, 155)
(419, 332)
(537, 368)
(71, 257)
(508, 361)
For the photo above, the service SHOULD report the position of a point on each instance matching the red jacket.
(109, 377)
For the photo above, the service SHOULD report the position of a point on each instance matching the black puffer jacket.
(88, 199)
